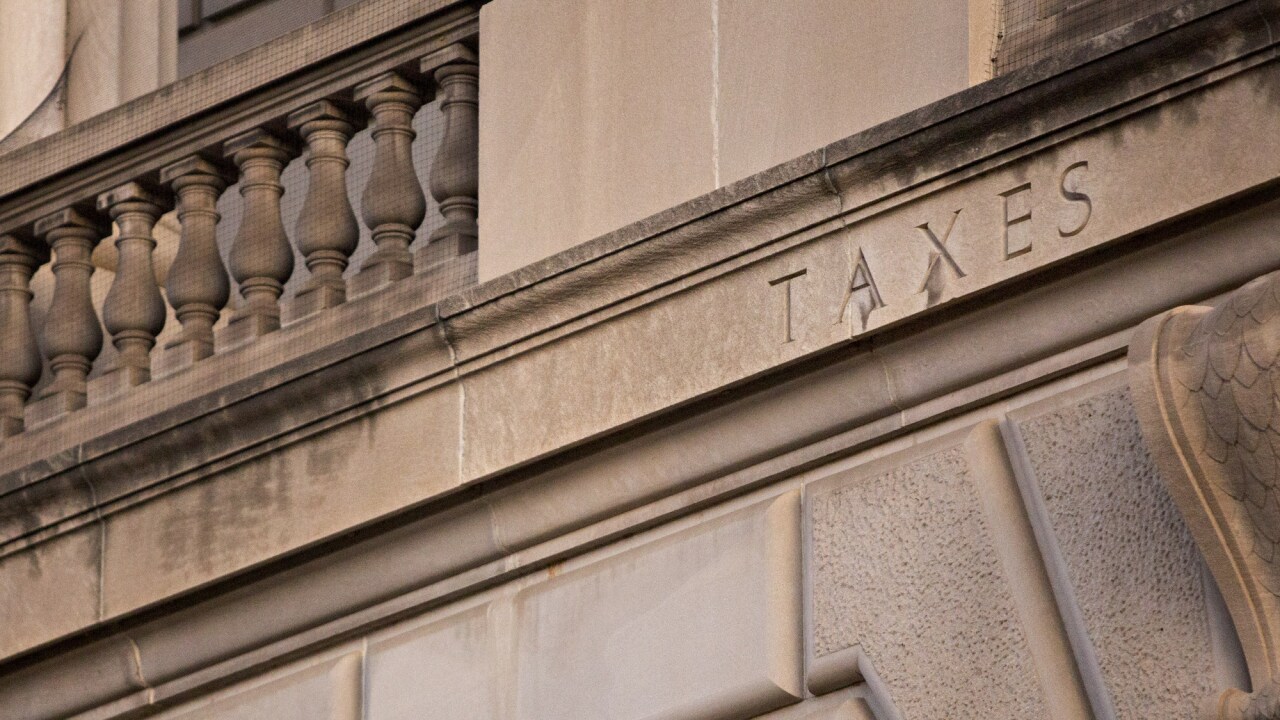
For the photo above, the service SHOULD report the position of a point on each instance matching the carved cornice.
(1206, 382)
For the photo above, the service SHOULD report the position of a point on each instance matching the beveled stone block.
(309, 301)
(1134, 575)
(703, 623)
(328, 689)
(177, 355)
(243, 329)
(448, 55)
(373, 277)
(906, 577)
(443, 250)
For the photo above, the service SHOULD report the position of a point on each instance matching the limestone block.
(593, 115)
(32, 51)
(49, 589)
(846, 704)
(1134, 574)
(673, 350)
(444, 668)
(327, 689)
(905, 575)
(294, 495)
(701, 624)
(794, 76)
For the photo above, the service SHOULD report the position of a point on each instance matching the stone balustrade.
(55, 362)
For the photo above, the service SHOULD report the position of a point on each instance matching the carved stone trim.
(1206, 382)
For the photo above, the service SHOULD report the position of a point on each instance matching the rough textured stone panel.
(1134, 571)
(444, 669)
(904, 566)
(705, 623)
(325, 690)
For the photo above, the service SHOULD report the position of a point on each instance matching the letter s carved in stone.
(1206, 383)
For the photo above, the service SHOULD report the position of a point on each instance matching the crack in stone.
(462, 392)
(137, 669)
(1265, 23)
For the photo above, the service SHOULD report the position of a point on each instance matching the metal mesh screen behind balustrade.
(439, 280)
(1031, 30)
(429, 126)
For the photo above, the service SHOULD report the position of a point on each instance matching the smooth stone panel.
(596, 114)
(325, 690)
(443, 669)
(904, 572)
(800, 74)
(294, 495)
(1134, 572)
(701, 624)
(33, 37)
(49, 590)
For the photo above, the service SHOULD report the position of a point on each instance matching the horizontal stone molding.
(789, 207)
(835, 291)
(442, 552)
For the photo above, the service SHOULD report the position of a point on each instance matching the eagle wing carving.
(1206, 383)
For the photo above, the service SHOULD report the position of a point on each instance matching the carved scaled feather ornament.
(1206, 383)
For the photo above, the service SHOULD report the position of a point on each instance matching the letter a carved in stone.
(1206, 383)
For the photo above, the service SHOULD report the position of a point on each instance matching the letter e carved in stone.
(1018, 198)
(1206, 383)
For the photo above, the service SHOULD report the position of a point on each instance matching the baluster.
(197, 284)
(133, 311)
(20, 366)
(455, 170)
(326, 232)
(393, 205)
(72, 335)
(261, 258)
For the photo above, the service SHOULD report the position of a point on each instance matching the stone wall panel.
(1132, 571)
(442, 669)
(701, 624)
(327, 689)
(905, 575)
(49, 589)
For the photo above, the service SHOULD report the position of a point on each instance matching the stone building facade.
(682, 360)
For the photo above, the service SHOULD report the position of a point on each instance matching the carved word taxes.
(1013, 236)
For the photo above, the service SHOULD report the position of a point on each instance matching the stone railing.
(55, 367)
